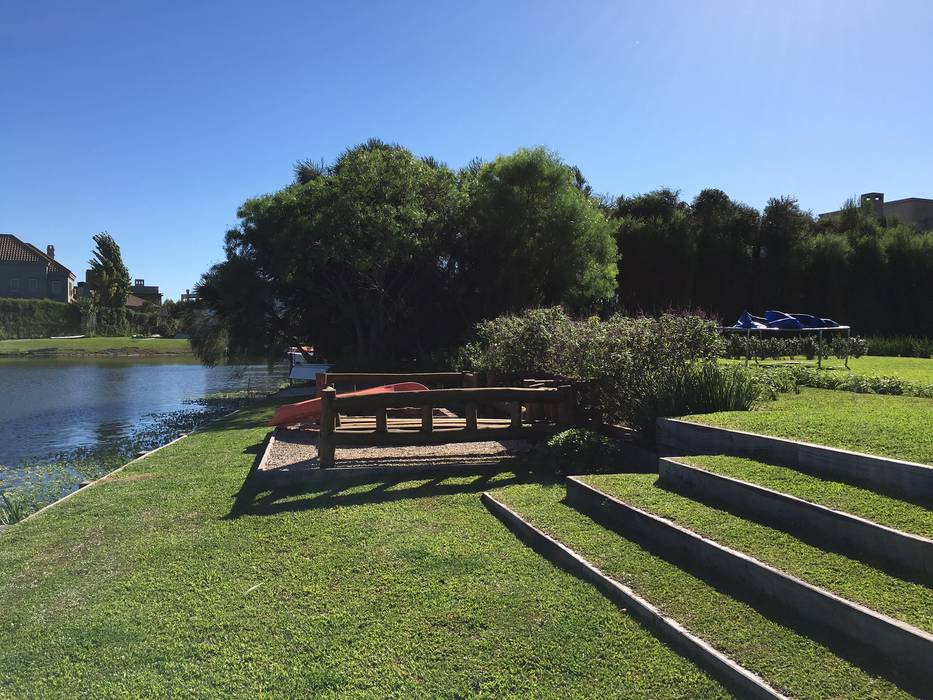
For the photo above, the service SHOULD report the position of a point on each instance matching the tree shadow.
(259, 500)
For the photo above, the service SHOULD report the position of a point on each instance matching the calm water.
(54, 406)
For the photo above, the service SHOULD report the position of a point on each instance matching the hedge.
(38, 318)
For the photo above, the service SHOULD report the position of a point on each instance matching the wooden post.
(382, 421)
(325, 444)
(427, 419)
(515, 408)
(471, 422)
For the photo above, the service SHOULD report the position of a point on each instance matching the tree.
(112, 277)
(531, 236)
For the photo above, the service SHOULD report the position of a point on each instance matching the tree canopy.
(385, 256)
(112, 277)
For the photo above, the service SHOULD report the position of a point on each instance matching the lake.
(50, 406)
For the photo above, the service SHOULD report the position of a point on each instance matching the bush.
(579, 451)
(38, 318)
(772, 348)
(901, 346)
(633, 367)
(787, 379)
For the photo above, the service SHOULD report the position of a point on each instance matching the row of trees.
(383, 257)
(722, 256)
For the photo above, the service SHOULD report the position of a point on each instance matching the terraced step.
(817, 524)
(841, 599)
(788, 661)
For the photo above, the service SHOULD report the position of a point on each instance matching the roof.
(12, 249)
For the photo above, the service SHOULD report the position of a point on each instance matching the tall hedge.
(38, 318)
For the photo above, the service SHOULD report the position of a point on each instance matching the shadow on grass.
(253, 500)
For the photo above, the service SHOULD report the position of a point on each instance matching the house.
(916, 211)
(140, 294)
(28, 273)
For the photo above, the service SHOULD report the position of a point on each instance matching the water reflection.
(51, 406)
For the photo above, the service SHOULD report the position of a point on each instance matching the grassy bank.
(94, 346)
(912, 369)
(785, 658)
(892, 426)
(880, 509)
(149, 584)
(909, 602)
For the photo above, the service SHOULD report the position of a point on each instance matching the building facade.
(28, 273)
(916, 211)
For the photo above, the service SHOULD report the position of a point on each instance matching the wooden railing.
(355, 379)
(560, 403)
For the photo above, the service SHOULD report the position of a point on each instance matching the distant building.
(28, 273)
(148, 293)
(915, 211)
(189, 296)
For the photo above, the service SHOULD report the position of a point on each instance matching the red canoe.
(309, 410)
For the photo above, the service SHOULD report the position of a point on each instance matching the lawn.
(891, 426)
(95, 346)
(917, 370)
(149, 584)
(909, 602)
(880, 509)
(789, 661)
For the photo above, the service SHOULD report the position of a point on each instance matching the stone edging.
(897, 477)
(738, 679)
(854, 535)
(906, 648)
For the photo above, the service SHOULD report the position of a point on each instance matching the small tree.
(113, 279)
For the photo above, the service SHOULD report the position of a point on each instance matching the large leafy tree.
(532, 235)
(112, 277)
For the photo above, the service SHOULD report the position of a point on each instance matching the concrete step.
(902, 552)
(771, 649)
(908, 480)
(904, 647)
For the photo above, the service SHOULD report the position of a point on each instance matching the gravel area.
(297, 448)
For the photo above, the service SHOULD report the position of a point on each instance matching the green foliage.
(38, 318)
(724, 257)
(112, 279)
(770, 347)
(792, 377)
(579, 451)
(382, 256)
(11, 509)
(900, 346)
(636, 368)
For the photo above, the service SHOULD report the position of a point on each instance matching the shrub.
(772, 348)
(634, 367)
(786, 379)
(578, 451)
(38, 318)
(901, 346)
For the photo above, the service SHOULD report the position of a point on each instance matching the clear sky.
(155, 120)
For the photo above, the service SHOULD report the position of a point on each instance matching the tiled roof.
(12, 249)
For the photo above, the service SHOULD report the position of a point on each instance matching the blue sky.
(155, 120)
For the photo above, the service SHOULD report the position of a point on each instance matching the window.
(14, 284)
(33, 284)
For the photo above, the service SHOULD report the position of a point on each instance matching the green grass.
(857, 501)
(891, 426)
(913, 369)
(791, 662)
(910, 602)
(143, 586)
(96, 346)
